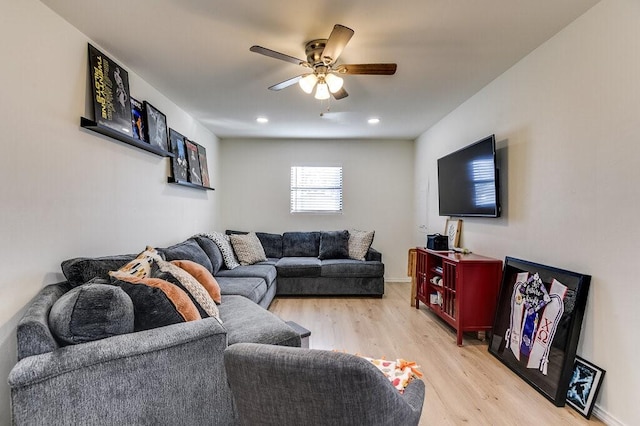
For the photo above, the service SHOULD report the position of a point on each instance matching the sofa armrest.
(178, 370)
(373, 255)
(414, 395)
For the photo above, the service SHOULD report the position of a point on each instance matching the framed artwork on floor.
(110, 92)
(537, 324)
(204, 170)
(193, 162)
(584, 386)
(179, 165)
(156, 126)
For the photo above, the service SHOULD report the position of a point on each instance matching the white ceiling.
(196, 52)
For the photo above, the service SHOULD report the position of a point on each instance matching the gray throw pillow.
(334, 245)
(91, 312)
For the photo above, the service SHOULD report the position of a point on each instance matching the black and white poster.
(110, 89)
(156, 125)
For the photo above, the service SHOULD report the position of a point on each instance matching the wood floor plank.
(464, 385)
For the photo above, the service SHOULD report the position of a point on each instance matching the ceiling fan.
(324, 73)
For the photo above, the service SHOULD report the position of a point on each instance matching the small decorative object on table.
(452, 231)
(156, 125)
(584, 386)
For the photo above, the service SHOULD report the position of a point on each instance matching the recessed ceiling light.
(373, 121)
(262, 120)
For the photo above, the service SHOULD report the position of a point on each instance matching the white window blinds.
(316, 189)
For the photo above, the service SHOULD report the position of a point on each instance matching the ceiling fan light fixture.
(334, 82)
(308, 82)
(322, 91)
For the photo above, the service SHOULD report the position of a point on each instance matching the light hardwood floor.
(464, 385)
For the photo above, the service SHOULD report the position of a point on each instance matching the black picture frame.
(584, 386)
(204, 169)
(193, 161)
(110, 92)
(537, 324)
(179, 164)
(138, 126)
(156, 127)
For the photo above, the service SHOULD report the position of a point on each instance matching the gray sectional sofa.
(172, 374)
(301, 270)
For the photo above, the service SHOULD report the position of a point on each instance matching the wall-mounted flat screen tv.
(468, 181)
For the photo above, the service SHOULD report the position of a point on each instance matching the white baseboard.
(606, 418)
(397, 280)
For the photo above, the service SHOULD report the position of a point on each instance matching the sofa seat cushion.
(247, 322)
(300, 244)
(299, 267)
(349, 268)
(264, 270)
(253, 288)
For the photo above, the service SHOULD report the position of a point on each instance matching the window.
(316, 189)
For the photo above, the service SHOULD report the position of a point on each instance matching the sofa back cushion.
(334, 245)
(187, 250)
(271, 243)
(300, 244)
(80, 270)
(212, 251)
(91, 312)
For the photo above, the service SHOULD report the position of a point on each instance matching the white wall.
(567, 119)
(66, 192)
(377, 190)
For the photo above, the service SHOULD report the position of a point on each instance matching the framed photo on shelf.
(179, 164)
(452, 231)
(537, 324)
(204, 170)
(156, 126)
(110, 92)
(584, 386)
(193, 162)
(137, 120)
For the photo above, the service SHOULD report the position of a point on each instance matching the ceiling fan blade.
(277, 55)
(372, 69)
(340, 94)
(287, 83)
(338, 39)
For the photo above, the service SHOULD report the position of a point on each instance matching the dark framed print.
(193, 162)
(537, 324)
(584, 386)
(110, 92)
(138, 120)
(179, 165)
(204, 169)
(156, 125)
